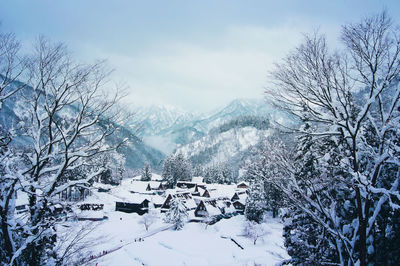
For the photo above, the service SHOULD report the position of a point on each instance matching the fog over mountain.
(167, 128)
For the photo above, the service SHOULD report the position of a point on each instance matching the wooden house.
(235, 197)
(138, 207)
(239, 206)
(185, 184)
(186, 198)
(189, 184)
(207, 209)
(196, 191)
(206, 194)
(243, 185)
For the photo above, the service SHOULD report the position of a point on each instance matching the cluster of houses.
(201, 200)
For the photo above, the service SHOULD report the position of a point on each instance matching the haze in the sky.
(196, 55)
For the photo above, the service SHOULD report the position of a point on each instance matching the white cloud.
(205, 74)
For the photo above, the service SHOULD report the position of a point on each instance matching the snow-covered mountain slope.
(236, 108)
(154, 119)
(223, 146)
(167, 128)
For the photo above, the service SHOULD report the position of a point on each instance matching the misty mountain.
(136, 152)
(167, 128)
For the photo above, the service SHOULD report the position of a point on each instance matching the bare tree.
(68, 116)
(254, 230)
(352, 99)
(12, 66)
(149, 218)
(74, 244)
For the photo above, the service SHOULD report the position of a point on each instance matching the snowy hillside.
(227, 146)
(165, 128)
(156, 118)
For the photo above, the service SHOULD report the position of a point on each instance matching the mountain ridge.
(169, 131)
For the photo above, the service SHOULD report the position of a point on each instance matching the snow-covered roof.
(137, 178)
(154, 184)
(243, 183)
(211, 209)
(156, 199)
(197, 179)
(139, 186)
(193, 183)
(201, 190)
(242, 198)
(139, 198)
(221, 190)
(190, 204)
(156, 177)
(177, 191)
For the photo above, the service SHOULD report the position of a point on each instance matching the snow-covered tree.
(149, 218)
(255, 202)
(146, 173)
(262, 168)
(65, 119)
(198, 170)
(254, 230)
(177, 213)
(12, 66)
(113, 164)
(175, 168)
(349, 103)
(220, 173)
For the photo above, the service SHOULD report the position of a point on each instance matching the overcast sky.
(193, 54)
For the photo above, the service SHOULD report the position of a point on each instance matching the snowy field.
(195, 244)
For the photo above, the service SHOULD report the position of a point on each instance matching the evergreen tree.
(146, 173)
(261, 169)
(305, 240)
(176, 167)
(274, 199)
(198, 170)
(177, 213)
(167, 172)
(255, 202)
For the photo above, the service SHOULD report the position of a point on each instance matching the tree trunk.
(363, 243)
(274, 213)
(5, 235)
(362, 230)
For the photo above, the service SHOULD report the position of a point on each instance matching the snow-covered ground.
(198, 245)
(195, 244)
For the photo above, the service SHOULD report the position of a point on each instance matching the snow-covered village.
(186, 133)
